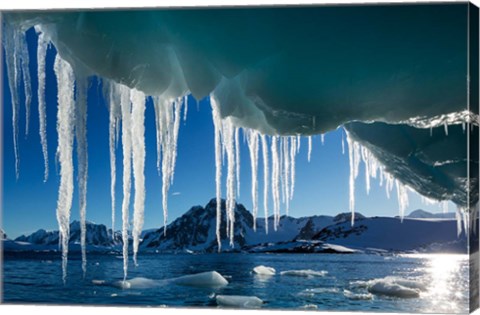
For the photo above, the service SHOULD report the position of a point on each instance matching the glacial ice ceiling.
(394, 77)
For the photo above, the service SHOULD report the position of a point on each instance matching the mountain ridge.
(195, 231)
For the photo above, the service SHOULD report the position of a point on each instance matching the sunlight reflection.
(443, 273)
(444, 287)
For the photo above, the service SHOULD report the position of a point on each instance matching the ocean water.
(442, 281)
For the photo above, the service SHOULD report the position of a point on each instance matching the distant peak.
(419, 213)
(347, 216)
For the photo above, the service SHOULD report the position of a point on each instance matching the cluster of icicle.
(374, 169)
(127, 116)
(278, 155)
(126, 122)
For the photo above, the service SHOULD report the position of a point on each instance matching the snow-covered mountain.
(3, 235)
(422, 214)
(96, 235)
(196, 230)
(391, 234)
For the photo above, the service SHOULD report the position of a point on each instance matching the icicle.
(389, 184)
(286, 172)
(237, 159)
(458, 217)
(185, 107)
(381, 176)
(25, 61)
(217, 123)
(275, 181)
(159, 131)
(167, 122)
(322, 138)
(82, 160)
(127, 169)
(445, 126)
(293, 144)
(298, 143)
(466, 220)
(365, 158)
(112, 139)
(42, 116)
(174, 141)
(371, 167)
(13, 71)
(65, 129)
(474, 210)
(252, 142)
(266, 173)
(137, 99)
(431, 131)
(343, 143)
(445, 206)
(428, 201)
(309, 148)
(402, 196)
(228, 133)
(282, 168)
(354, 161)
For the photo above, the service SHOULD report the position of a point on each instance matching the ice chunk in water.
(264, 271)
(391, 286)
(304, 273)
(357, 296)
(239, 301)
(203, 279)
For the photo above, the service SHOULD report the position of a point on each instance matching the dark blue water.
(37, 278)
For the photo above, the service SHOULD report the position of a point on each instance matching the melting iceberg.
(398, 89)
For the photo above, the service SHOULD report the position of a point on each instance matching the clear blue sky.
(29, 204)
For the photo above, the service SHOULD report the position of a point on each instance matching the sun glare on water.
(443, 279)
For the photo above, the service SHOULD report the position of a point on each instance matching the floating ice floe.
(239, 301)
(304, 273)
(138, 283)
(264, 271)
(393, 286)
(322, 290)
(209, 279)
(203, 279)
(310, 307)
(393, 289)
(357, 296)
